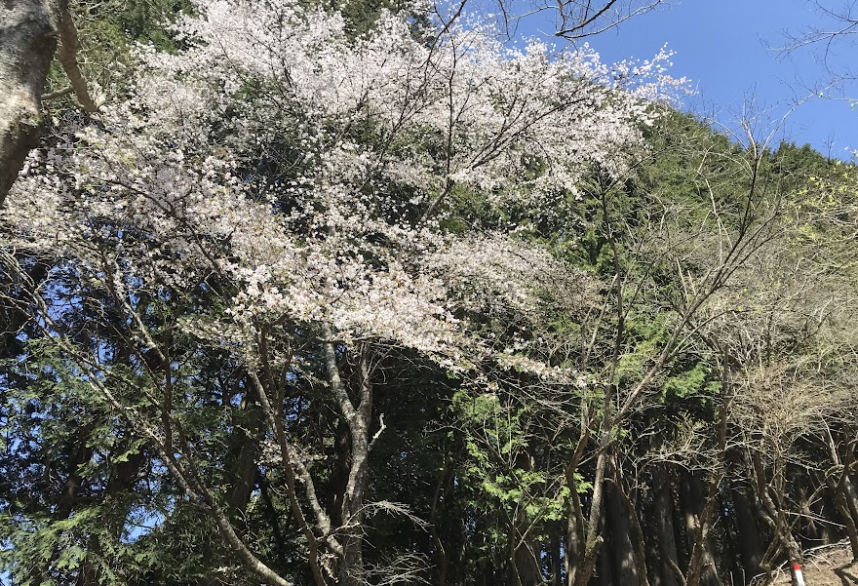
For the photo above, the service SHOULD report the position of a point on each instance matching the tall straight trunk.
(749, 543)
(28, 40)
(606, 562)
(526, 565)
(694, 500)
(575, 534)
(435, 519)
(554, 556)
(574, 539)
(670, 570)
(622, 550)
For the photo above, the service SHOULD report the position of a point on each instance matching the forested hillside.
(322, 293)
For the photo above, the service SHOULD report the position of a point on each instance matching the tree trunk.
(670, 570)
(606, 562)
(575, 536)
(358, 419)
(554, 555)
(28, 40)
(526, 565)
(622, 550)
(749, 542)
(694, 499)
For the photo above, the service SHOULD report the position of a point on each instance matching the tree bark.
(67, 56)
(701, 568)
(358, 418)
(622, 551)
(28, 40)
(671, 572)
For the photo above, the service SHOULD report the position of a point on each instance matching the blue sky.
(723, 46)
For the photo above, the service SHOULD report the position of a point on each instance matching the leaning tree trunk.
(28, 40)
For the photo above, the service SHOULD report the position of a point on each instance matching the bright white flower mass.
(307, 173)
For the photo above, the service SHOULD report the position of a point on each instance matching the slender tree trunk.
(575, 536)
(438, 501)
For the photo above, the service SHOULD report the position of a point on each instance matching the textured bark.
(28, 40)
(575, 535)
(525, 566)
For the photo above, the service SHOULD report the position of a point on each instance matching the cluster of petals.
(169, 190)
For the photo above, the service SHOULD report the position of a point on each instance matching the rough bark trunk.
(525, 566)
(575, 536)
(28, 40)
(606, 565)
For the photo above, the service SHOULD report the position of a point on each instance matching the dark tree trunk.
(749, 543)
(555, 558)
(622, 550)
(670, 571)
(692, 495)
(606, 561)
(527, 566)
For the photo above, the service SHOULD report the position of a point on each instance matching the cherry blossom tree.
(285, 190)
(30, 32)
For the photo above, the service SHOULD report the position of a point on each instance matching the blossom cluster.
(305, 172)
